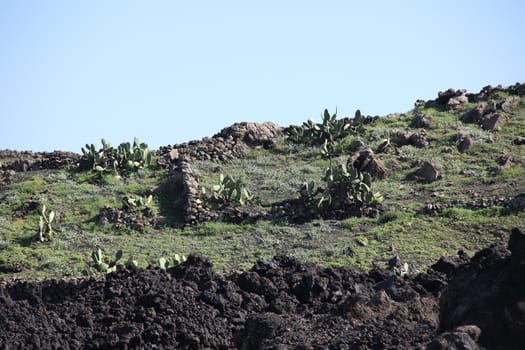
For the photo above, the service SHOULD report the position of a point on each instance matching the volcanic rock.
(367, 161)
(427, 172)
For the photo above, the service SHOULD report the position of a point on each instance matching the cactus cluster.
(330, 129)
(126, 157)
(229, 190)
(353, 185)
(102, 264)
(134, 157)
(164, 263)
(133, 202)
(342, 186)
(45, 228)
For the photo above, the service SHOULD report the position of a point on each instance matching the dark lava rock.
(275, 305)
(453, 341)
(427, 172)
(367, 161)
(279, 304)
(489, 292)
(465, 144)
(423, 120)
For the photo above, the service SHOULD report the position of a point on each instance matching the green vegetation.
(45, 228)
(136, 202)
(310, 165)
(229, 190)
(102, 264)
(164, 263)
(125, 158)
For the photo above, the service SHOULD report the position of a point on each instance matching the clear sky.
(72, 72)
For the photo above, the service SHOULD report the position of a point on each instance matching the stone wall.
(26, 160)
(232, 142)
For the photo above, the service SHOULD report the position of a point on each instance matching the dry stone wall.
(26, 160)
(232, 142)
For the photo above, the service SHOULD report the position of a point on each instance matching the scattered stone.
(465, 144)
(476, 114)
(419, 140)
(445, 96)
(507, 160)
(427, 173)
(518, 202)
(493, 121)
(517, 89)
(455, 102)
(423, 120)
(453, 341)
(366, 161)
(510, 103)
(520, 140)
(406, 138)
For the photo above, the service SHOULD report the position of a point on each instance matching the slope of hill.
(389, 194)
(473, 144)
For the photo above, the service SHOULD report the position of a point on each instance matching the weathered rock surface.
(367, 161)
(427, 172)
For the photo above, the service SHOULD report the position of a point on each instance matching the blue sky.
(72, 72)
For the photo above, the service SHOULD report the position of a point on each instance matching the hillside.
(473, 141)
(289, 219)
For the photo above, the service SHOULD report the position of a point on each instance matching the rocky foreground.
(460, 303)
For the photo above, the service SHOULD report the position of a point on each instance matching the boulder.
(445, 96)
(464, 144)
(488, 292)
(455, 102)
(427, 172)
(422, 120)
(366, 161)
(493, 121)
(405, 138)
(453, 341)
(356, 145)
(510, 103)
(518, 202)
(476, 114)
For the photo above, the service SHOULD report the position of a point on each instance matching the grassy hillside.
(466, 209)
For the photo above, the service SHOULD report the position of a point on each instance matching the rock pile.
(488, 114)
(231, 142)
(26, 160)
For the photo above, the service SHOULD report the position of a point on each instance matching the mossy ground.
(272, 176)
